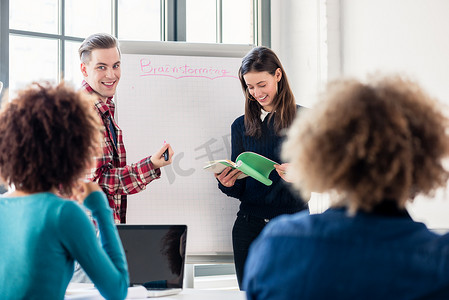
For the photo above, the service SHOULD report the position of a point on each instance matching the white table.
(193, 294)
(86, 291)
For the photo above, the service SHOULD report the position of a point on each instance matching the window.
(72, 63)
(139, 20)
(84, 17)
(201, 21)
(32, 59)
(237, 23)
(44, 45)
(42, 37)
(221, 21)
(27, 19)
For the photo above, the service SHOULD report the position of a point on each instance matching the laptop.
(156, 257)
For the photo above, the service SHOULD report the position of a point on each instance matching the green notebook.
(251, 164)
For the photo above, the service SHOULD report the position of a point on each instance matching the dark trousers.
(245, 231)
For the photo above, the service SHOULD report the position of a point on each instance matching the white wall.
(296, 37)
(305, 35)
(365, 36)
(410, 36)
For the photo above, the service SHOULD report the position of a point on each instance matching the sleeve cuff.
(147, 170)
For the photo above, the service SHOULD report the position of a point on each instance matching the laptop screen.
(155, 254)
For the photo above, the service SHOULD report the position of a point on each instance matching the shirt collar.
(105, 109)
(263, 114)
(389, 208)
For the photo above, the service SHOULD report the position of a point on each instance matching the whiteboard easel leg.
(189, 275)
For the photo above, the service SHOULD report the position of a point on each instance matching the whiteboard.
(188, 98)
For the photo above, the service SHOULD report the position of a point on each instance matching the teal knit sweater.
(41, 235)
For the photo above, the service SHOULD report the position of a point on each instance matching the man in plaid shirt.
(100, 66)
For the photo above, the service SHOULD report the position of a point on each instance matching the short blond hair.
(370, 142)
(94, 42)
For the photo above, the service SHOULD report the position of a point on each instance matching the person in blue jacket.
(373, 147)
(48, 136)
(270, 108)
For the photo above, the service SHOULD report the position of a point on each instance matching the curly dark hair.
(367, 143)
(171, 247)
(48, 136)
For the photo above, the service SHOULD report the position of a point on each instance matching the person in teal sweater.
(270, 108)
(48, 136)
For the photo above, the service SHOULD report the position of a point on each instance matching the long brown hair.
(263, 59)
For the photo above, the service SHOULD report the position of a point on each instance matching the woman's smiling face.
(263, 87)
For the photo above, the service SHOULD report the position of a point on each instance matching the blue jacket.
(335, 256)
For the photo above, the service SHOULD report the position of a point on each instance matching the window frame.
(173, 28)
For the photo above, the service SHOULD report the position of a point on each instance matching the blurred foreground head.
(48, 137)
(365, 143)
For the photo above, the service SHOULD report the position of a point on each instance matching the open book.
(251, 164)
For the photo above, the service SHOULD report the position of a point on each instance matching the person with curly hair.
(373, 147)
(270, 108)
(48, 136)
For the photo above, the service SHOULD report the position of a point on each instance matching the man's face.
(102, 72)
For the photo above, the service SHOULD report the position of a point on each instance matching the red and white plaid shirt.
(116, 178)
